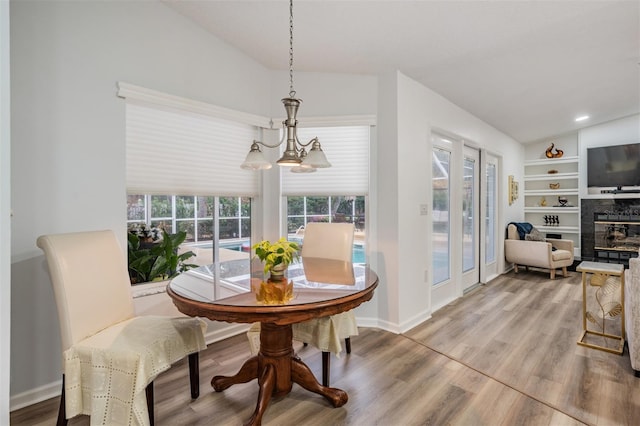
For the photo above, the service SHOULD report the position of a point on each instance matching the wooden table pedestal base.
(277, 367)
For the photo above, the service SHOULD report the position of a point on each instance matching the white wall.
(405, 141)
(5, 215)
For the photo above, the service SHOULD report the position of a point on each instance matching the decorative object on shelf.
(563, 201)
(295, 154)
(555, 185)
(276, 256)
(552, 172)
(551, 220)
(543, 202)
(513, 190)
(550, 154)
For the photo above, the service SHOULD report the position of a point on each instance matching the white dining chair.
(328, 241)
(110, 356)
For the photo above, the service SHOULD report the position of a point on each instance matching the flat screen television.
(614, 166)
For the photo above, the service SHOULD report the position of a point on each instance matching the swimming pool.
(359, 255)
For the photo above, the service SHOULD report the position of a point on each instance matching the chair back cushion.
(90, 282)
(328, 241)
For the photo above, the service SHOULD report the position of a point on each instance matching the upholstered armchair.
(549, 253)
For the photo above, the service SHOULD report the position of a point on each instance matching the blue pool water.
(358, 249)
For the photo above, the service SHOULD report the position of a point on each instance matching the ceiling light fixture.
(582, 118)
(295, 154)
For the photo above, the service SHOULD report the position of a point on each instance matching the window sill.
(148, 289)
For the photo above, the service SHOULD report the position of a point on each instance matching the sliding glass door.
(490, 213)
(465, 218)
(441, 231)
(470, 215)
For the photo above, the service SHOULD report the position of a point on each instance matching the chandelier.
(295, 154)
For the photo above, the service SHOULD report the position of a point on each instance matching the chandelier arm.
(304, 145)
(275, 145)
(268, 145)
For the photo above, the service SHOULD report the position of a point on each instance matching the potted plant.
(276, 256)
(156, 259)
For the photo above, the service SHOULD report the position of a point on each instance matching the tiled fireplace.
(618, 228)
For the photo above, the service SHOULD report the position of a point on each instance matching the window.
(336, 194)
(197, 216)
(331, 209)
(183, 174)
(302, 210)
(192, 214)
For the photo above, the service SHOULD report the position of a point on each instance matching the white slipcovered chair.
(539, 254)
(632, 312)
(328, 241)
(110, 356)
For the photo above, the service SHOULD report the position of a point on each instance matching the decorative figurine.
(550, 154)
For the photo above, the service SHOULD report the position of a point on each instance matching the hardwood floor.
(505, 354)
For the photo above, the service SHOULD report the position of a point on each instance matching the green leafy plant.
(282, 252)
(158, 261)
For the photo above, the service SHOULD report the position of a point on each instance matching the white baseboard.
(414, 321)
(225, 333)
(33, 396)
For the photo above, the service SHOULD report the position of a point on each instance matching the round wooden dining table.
(322, 287)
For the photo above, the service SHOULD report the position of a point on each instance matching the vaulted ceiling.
(528, 68)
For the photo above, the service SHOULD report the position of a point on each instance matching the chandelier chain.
(292, 93)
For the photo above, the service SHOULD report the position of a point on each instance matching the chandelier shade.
(255, 159)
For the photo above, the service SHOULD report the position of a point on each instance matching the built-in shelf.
(546, 192)
(556, 176)
(559, 229)
(552, 161)
(552, 210)
(541, 200)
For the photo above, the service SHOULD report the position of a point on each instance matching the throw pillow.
(534, 235)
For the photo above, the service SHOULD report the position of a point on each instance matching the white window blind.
(184, 153)
(347, 149)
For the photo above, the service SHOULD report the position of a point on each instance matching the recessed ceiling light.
(582, 118)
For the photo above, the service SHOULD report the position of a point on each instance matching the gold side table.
(610, 297)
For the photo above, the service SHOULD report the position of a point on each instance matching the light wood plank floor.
(505, 354)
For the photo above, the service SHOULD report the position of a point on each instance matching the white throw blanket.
(106, 374)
